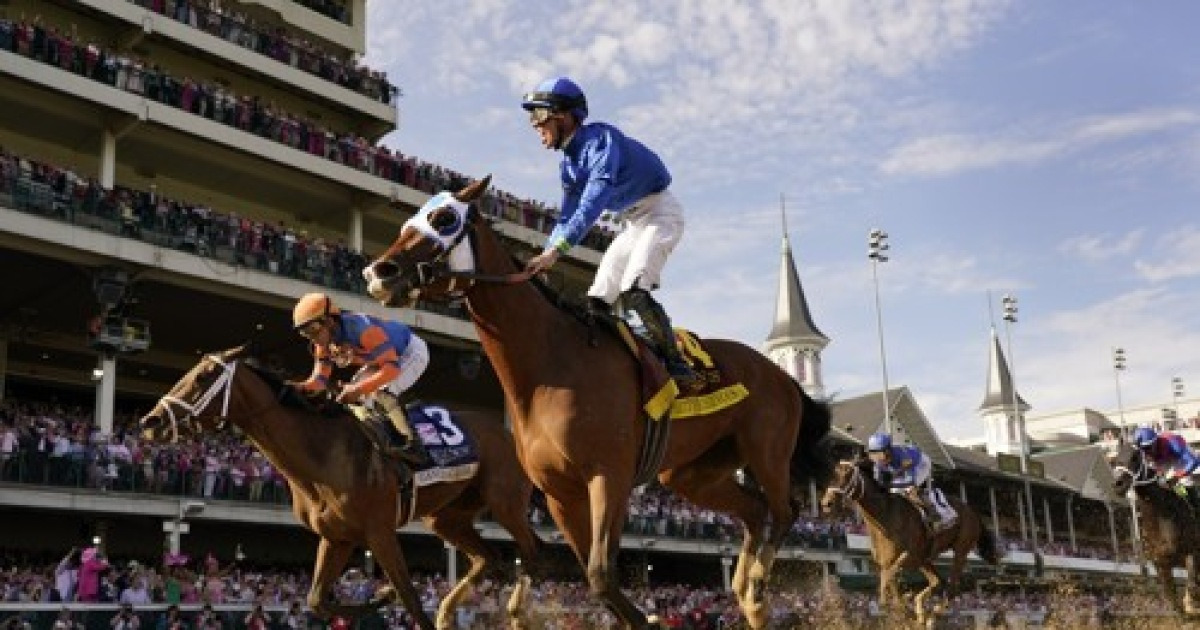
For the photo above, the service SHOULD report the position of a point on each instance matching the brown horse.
(575, 403)
(1169, 530)
(346, 492)
(900, 538)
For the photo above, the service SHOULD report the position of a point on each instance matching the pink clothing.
(89, 576)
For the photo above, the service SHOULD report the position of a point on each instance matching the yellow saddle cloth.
(660, 394)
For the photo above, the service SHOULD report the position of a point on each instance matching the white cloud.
(949, 154)
(1100, 247)
(1174, 256)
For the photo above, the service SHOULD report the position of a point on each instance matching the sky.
(1050, 150)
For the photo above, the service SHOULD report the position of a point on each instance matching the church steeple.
(1001, 420)
(795, 343)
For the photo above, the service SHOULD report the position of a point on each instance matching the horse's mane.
(287, 395)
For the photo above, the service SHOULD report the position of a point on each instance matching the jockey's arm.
(380, 355)
(322, 370)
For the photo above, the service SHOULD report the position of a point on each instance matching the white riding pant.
(413, 362)
(652, 228)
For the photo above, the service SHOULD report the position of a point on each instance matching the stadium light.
(1009, 302)
(1119, 365)
(1176, 392)
(877, 252)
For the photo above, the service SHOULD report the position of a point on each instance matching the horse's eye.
(444, 221)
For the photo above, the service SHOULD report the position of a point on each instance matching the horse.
(900, 539)
(575, 404)
(1170, 532)
(347, 492)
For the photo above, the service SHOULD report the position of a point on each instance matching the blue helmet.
(559, 94)
(1144, 437)
(879, 442)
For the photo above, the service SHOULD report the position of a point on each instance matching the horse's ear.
(474, 190)
(245, 350)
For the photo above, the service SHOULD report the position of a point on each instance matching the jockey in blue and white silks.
(910, 473)
(1172, 458)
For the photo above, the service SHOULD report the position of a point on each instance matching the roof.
(971, 461)
(861, 416)
(793, 321)
(1084, 469)
(999, 391)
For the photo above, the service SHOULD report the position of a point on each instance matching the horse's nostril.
(386, 269)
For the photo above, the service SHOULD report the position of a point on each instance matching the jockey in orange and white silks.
(391, 357)
(910, 472)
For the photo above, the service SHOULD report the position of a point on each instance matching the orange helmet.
(310, 308)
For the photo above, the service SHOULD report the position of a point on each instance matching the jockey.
(1174, 460)
(604, 169)
(391, 357)
(911, 474)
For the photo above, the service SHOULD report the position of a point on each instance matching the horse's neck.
(521, 332)
(877, 506)
(281, 435)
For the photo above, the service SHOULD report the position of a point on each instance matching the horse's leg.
(765, 453)
(456, 525)
(708, 482)
(934, 580)
(332, 557)
(382, 542)
(513, 516)
(1189, 595)
(1166, 577)
(889, 589)
(609, 500)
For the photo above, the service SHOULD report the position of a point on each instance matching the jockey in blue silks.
(910, 473)
(1171, 456)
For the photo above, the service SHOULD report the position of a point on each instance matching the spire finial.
(783, 215)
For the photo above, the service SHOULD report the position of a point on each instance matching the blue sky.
(1047, 149)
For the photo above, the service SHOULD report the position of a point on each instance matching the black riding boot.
(413, 450)
(658, 328)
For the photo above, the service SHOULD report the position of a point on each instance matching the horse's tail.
(812, 460)
(987, 546)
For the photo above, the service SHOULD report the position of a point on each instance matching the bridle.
(438, 268)
(1141, 477)
(851, 489)
(221, 386)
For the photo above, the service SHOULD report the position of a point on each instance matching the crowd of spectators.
(253, 114)
(202, 594)
(276, 42)
(333, 9)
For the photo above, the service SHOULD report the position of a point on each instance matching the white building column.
(354, 234)
(108, 159)
(1021, 516)
(995, 513)
(814, 508)
(106, 390)
(451, 563)
(726, 564)
(1049, 526)
(1071, 521)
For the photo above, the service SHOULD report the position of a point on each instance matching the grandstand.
(171, 182)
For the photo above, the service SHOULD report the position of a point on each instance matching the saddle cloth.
(661, 396)
(451, 449)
